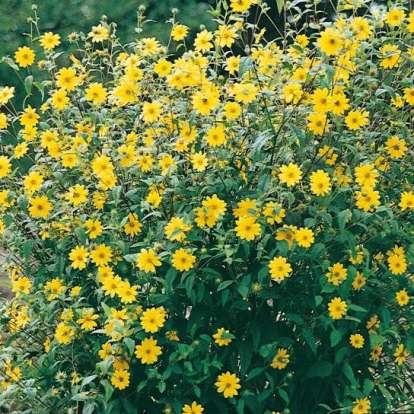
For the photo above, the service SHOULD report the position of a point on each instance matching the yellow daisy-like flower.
(182, 260)
(223, 337)
(228, 384)
(24, 56)
(362, 406)
(356, 341)
(153, 319)
(402, 297)
(120, 379)
(101, 255)
(279, 268)
(148, 260)
(337, 308)
(400, 354)
(148, 351)
(247, 228)
(320, 183)
(281, 359)
(290, 174)
(49, 40)
(194, 408)
(79, 257)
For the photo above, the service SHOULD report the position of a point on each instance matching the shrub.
(227, 231)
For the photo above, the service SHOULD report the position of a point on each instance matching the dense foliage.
(226, 231)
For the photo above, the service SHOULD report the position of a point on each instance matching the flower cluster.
(216, 230)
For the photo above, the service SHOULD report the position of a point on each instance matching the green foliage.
(228, 228)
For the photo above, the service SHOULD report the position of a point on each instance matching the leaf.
(376, 339)
(310, 339)
(245, 64)
(87, 380)
(28, 82)
(356, 308)
(320, 369)
(280, 5)
(246, 352)
(284, 395)
(368, 386)
(254, 373)
(349, 373)
(336, 337)
(130, 343)
(224, 285)
(89, 408)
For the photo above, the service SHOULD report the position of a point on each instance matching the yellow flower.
(93, 228)
(202, 42)
(64, 334)
(120, 379)
(151, 111)
(304, 237)
(153, 319)
(6, 93)
(232, 110)
(225, 35)
(179, 32)
(66, 79)
(376, 353)
(390, 56)
(24, 56)
(407, 200)
(20, 150)
(87, 320)
(205, 101)
(290, 174)
(402, 297)
(362, 406)
(147, 260)
(133, 226)
(183, 261)
(77, 194)
(368, 199)
(29, 118)
(320, 183)
(126, 292)
(199, 161)
(240, 5)
(359, 281)
(337, 308)
(330, 41)
(396, 147)
(281, 359)
(228, 384)
(356, 341)
(33, 182)
(99, 33)
(318, 123)
(336, 274)
(49, 40)
(101, 255)
(193, 409)
(247, 228)
(223, 337)
(96, 93)
(279, 268)
(148, 351)
(79, 257)
(176, 229)
(216, 136)
(40, 207)
(400, 354)
(244, 92)
(397, 264)
(356, 119)
(395, 17)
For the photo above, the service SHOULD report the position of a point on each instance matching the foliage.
(215, 232)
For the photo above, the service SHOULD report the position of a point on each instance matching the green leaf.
(357, 308)
(320, 369)
(376, 339)
(368, 386)
(109, 389)
(318, 300)
(280, 5)
(245, 65)
(130, 343)
(310, 339)
(28, 82)
(336, 337)
(284, 395)
(246, 353)
(224, 284)
(27, 248)
(89, 408)
(349, 373)
(87, 380)
(162, 385)
(254, 373)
